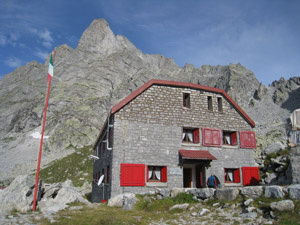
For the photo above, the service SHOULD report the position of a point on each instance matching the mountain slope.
(79, 100)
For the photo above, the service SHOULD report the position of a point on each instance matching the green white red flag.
(51, 63)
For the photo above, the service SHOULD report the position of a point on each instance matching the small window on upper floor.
(190, 135)
(186, 100)
(209, 103)
(220, 105)
(229, 138)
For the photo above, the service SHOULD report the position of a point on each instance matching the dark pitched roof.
(144, 87)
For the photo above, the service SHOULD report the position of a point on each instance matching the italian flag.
(51, 63)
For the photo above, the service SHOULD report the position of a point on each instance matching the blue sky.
(263, 35)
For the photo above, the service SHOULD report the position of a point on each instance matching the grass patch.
(71, 167)
(8, 139)
(289, 218)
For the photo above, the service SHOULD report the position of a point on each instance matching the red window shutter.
(196, 136)
(234, 138)
(147, 173)
(164, 174)
(211, 137)
(132, 175)
(236, 175)
(247, 139)
(250, 176)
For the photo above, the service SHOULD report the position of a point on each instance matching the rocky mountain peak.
(98, 38)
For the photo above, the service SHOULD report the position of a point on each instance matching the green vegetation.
(290, 218)
(8, 139)
(76, 167)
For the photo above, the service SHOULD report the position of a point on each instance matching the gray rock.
(227, 194)
(180, 206)
(164, 192)
(16, 196)
(203, 193)
(284, 205)
(204, 211)
(294, 191)
(270, 178)
(250, 215)
(274, 148)
(129, 201)
(176, 191)
(252, 191)
(247, 202)
(65, 195)
(116, 201)
(274, 192)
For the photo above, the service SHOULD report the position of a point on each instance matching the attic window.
(209, 103)
(186, 100)
(220, 105)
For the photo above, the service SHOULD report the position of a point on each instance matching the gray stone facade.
(148, 130)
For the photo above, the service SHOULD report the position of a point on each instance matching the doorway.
(187, 177)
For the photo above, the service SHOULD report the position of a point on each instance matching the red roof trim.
(196, 154)
(144, 87)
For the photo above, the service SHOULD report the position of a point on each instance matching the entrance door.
(199, 176)
(187, 177)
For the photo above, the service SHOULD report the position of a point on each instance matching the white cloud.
(44, 35)
(3, 40)
(42, 54)
(13, 62)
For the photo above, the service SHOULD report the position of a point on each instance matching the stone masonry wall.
(163, 105)
(149, 131)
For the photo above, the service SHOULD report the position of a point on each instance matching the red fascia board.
(144, 87)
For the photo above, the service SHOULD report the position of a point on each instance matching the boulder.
(274, 192)
(227, 194)
(252, 192)
(294, 191)
(203, 193)
(18, 195)
(129, 201)
(116, 201)
(274, 148)
(284, 205)
(62, 197)
(180, 206)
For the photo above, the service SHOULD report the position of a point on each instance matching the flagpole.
(42, 137)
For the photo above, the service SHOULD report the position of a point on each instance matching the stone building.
(169, 134)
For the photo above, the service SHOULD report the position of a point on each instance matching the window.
(132, 175)
(110, 137)
(190, 135)
(220, 105)
(211, 137)
(157, 174)
(107, 174)
(229, 138)
(209, 103)
(186, 100)
(232, 175)
(247, 139)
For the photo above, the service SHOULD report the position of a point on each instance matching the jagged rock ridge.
(80, 90)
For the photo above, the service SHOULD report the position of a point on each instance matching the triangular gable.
(147, 85)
